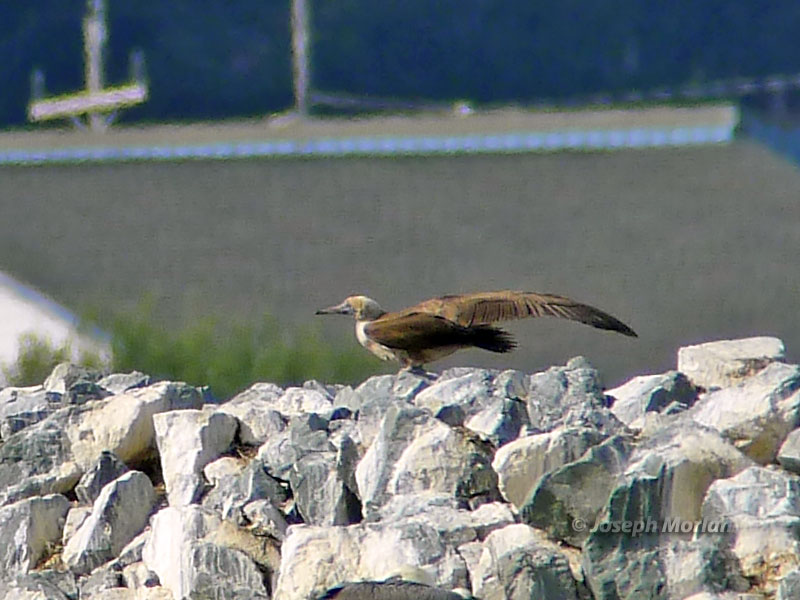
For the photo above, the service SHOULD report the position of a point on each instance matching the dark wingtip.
(493, 339)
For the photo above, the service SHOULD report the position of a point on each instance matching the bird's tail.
(491, 338)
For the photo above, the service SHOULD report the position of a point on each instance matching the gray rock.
(388, 590)
(232, 492)
(726, 363)
(75, 518)
(567, 501)
(757, 413)
(414, 452)
(101, 582)
(29, 529)
(371, 400)
(107, 468)
(65, 375)
(500, 422)
(39, 459)
(421, 547)
(761, 508)
(652, 393)
(118, 383)
(789, 586)
(321, 493)
(120, 512)
(304, 435)
(187, 441)
(123, 423)
(265, 519)
(21, 407)
(664, 483)
(296, 401)
(47, 584)
(471, 391)
(515, 564)
(569, 396)
(254, 409)
(789, 452)
(522, 463)
(137, 575)
(196, 555)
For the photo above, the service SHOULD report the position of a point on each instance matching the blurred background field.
(684, 244)
(205, 269)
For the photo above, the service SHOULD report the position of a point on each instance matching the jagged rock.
(123, 424)
(789, 452)
(40, 585)
(107, 468)
(28, 529)
(117, 383)
(370, 400)
(196, 555)
(104, 583)
(665, 482)
(789, 586)
(296, 401)
(255, 410)
(314, 559)
(414, 452)
(265, 519)
(118, 515)
(222, 468)
(388, 590)
(321, 492)
(304, 435)
(187, 441)
(137, 575)
(66, 375)
(38, 459)
(232, 492)
(569, 396)
(500, 422)
(726, 363)
(471, 391)
(668, 392)
(21, 407)
(757, 413)
(522, 463)
(75, 518)
(567, 501)
(762, 508)
(516, 565)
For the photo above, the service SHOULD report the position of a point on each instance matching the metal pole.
(300, 55)
(94, 39)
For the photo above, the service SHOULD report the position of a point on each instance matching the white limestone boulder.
(757, 413)
(762, 508)
(120, 513)
(123, 424)
(197, 555)
(725, 363)
(187, 441)
(517, 563)
(522, 463)
(29, 529)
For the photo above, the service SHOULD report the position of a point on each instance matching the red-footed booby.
(440, 326)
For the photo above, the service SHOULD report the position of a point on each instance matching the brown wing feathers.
(490, 307)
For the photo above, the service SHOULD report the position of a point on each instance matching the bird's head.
(361, 307)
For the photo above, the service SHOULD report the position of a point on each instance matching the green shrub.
(228, 358)
(37, 357)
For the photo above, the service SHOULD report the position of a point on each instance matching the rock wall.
(472, 483)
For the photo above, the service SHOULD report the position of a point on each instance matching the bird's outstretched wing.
(489, 307)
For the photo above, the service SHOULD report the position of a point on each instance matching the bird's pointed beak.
(340, 309)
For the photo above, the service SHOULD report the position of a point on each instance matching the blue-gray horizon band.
(385, 146)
